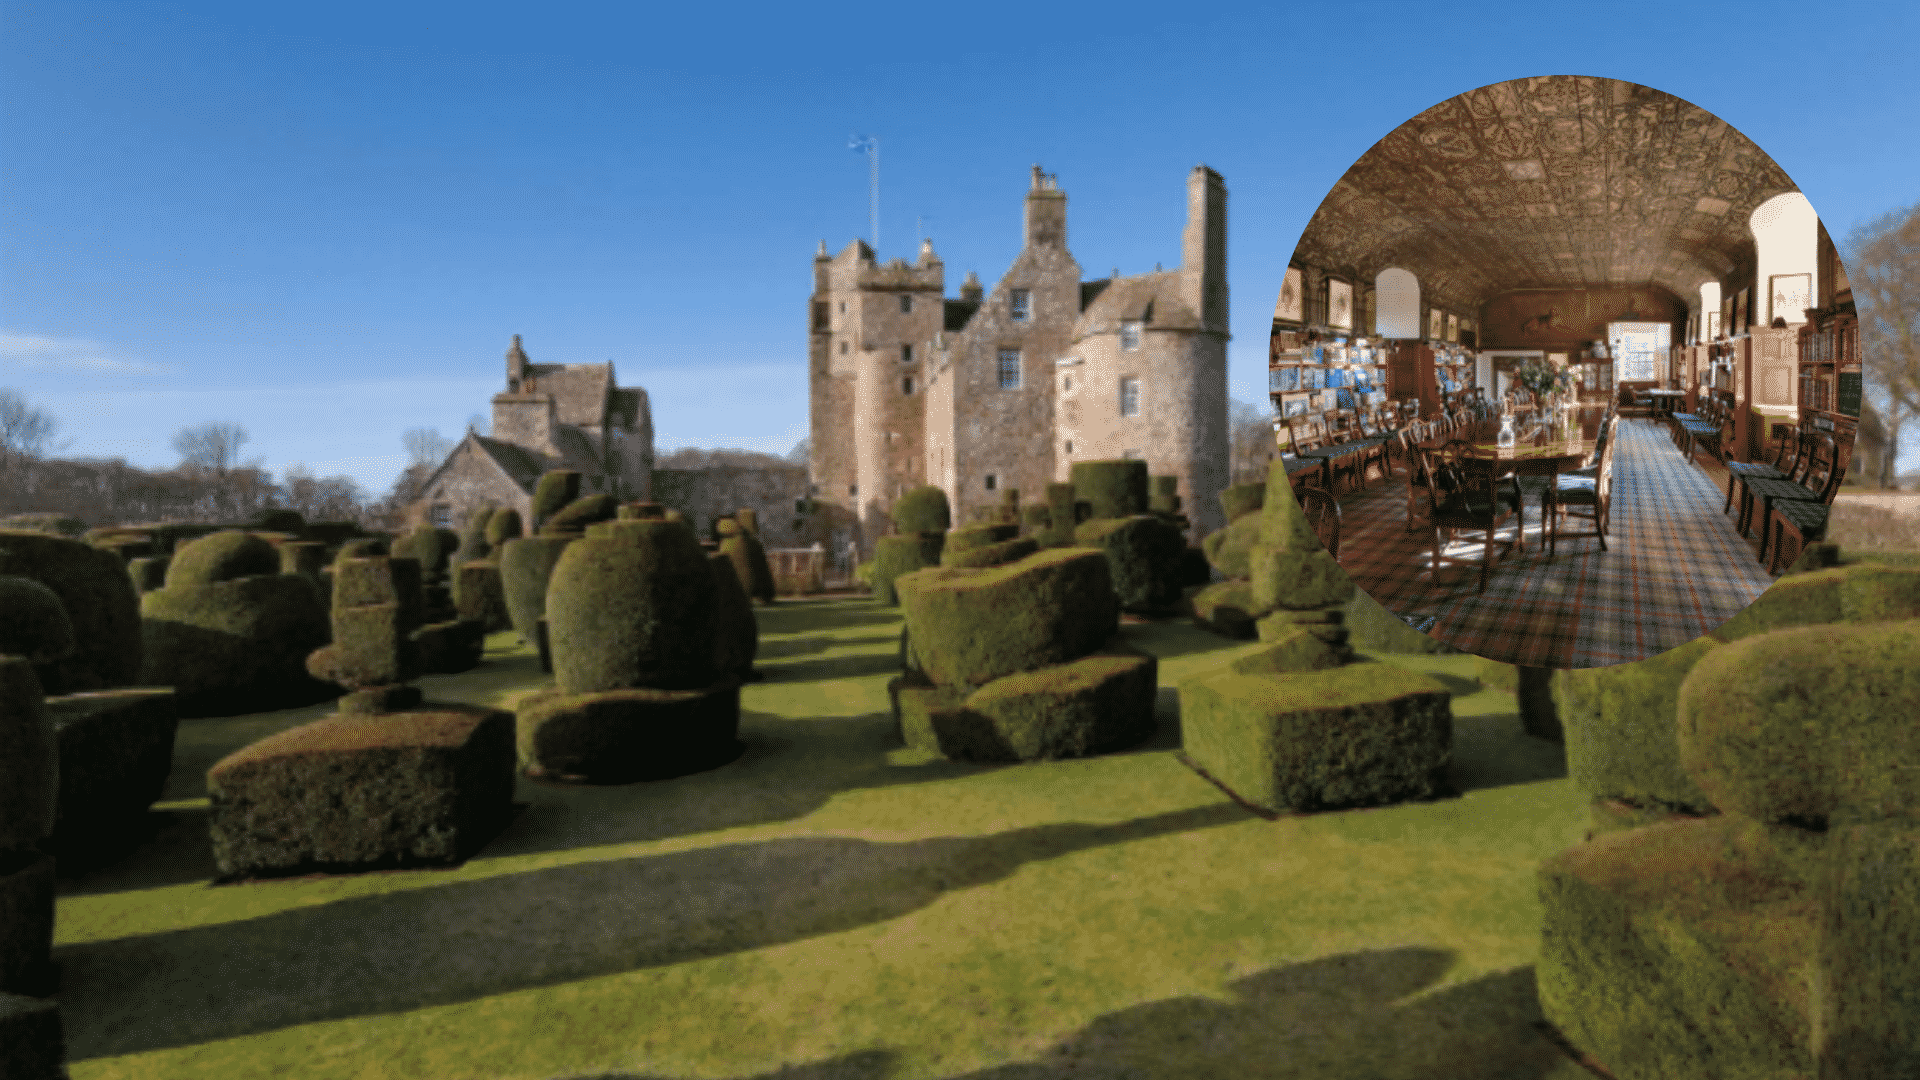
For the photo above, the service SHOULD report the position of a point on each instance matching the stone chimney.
(1046, 217)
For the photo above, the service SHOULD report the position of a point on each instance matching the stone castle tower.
(1006, 390)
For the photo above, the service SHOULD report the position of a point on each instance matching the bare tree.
(24, 430)
(1250, 442)
(213, 446)
(1884, 269)
(426, 446)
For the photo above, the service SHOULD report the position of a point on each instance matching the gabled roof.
(1153, 299)
(579, 391)
(521, 465)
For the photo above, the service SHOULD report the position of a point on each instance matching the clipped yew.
(554, 491)
(96, 590)
(1111, 489)
(748, 558)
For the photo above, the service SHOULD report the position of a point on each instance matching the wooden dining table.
(1665, 400)
(1568, 446)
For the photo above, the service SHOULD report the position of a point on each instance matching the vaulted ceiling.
(1559, 182)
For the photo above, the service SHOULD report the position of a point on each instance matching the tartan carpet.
(1674, 566)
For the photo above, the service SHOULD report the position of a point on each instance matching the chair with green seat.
(1785, 455)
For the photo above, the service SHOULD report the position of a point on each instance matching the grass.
(831, 905)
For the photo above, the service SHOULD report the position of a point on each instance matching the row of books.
(1342, 398)
(1286, 380)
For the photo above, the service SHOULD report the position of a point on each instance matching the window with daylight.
(853, 489)
(906, 303)
(1129, 397)
(1069, 446)
(1130, 334)
(1009, 369)
(1638, 350)
(1020, 304)
(1066, 383)
(906, 354)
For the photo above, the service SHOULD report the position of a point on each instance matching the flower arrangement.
(1541, 378)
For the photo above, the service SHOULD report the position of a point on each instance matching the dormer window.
(1020, 304)
(1130, 334)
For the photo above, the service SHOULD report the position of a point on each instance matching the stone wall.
(773, 493)
(468, 481)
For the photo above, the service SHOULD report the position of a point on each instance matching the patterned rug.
(1674, 567)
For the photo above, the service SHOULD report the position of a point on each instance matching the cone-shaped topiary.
(922, 510)
(736, 638)
(897, 555)
(101, 603)
(36, 626)
(526, 564)
(632, 610)
(502, 526)
(573, 519)
(1243, 499)
(1289, 566)
(1227, 549)
(473, 537)
(555, 491)
(1111, 489)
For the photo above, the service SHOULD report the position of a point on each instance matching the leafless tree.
(1883, 266)
(1250, 443)
(24, 430)
(426, 446)
(214, 445)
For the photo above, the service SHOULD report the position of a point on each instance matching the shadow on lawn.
(464, 940)
(794, 616)
(1340, 1017)
(801, 646)
(1495, 751)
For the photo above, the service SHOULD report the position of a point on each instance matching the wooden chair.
(1323, 512)
(1804, 520)
(1593, 496)
(1536, 479)
(1786, 452)
(1417, 482)
(1307, 435)
(1816, 482)
(1708, 428)
(1474, 500)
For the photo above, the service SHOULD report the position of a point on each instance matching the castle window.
(992, 481)
(853, 489)
(843, 348)
(1066, 382)
(1020, 304)
(906, 354)
(906, 385)
(1130, 334)
(1129, 397)
(1069, 446)
(843, 307)
(906, 303)
(442, 516)
(1009, 369)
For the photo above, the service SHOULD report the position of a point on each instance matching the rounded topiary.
(234, 646)
(149, 573)
(894, 556)
(999, 554)
(222, 556)
(555, 491)
(969, 537)
(1242, 499)
(1111, 489)
(574, 518)
(922, 510)
(526, 564)
(30, 765)
(36, 625)
(1146, 556)
(725, 527)
(280, 521)
(98, 594)
(632, 609)
(503, 526)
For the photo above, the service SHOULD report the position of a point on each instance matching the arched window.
(1786, 248)
(1397, 303)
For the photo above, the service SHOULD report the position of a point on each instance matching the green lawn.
(831, 905)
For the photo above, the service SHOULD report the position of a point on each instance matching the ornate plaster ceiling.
(1548, 183)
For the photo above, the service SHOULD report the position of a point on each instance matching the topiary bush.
(1096, 704)
(573, 519)
(525, 565)
(1111, 489)
(894, 556)
(36, 626)
(56, 524)
(632, 610)
(473, 537)
(503, 525)
(1145, 555)
(922, 510)
(30, 768)
(480, 594)
(98, 594)
(736, 638)
(555, 490)
(1242, 499)
(973, 626)
(222, 556)
(749, 562)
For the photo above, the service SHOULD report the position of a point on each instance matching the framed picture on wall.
(1792, 295)
(1340, 305)
(1295, 406)
(1436, 323)
(1293, 296)
(1453, 327)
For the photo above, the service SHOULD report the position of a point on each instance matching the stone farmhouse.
(1007, 389)
(552, 416)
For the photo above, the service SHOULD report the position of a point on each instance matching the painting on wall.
(1792, 295)
(1435, 324)
(1295, 407)
(1340, 305)
(1453, 327)
(1292, 305)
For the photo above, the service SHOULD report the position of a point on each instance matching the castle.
(1006, 390)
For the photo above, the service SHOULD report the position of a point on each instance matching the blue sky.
(325, 221)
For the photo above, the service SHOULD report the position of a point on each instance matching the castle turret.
(971, 289)
(1204, 249)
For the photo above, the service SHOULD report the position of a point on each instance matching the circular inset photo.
(1567, 370)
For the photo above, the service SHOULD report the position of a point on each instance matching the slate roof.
(580, 391)
(521, 465)
(1153, 299)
